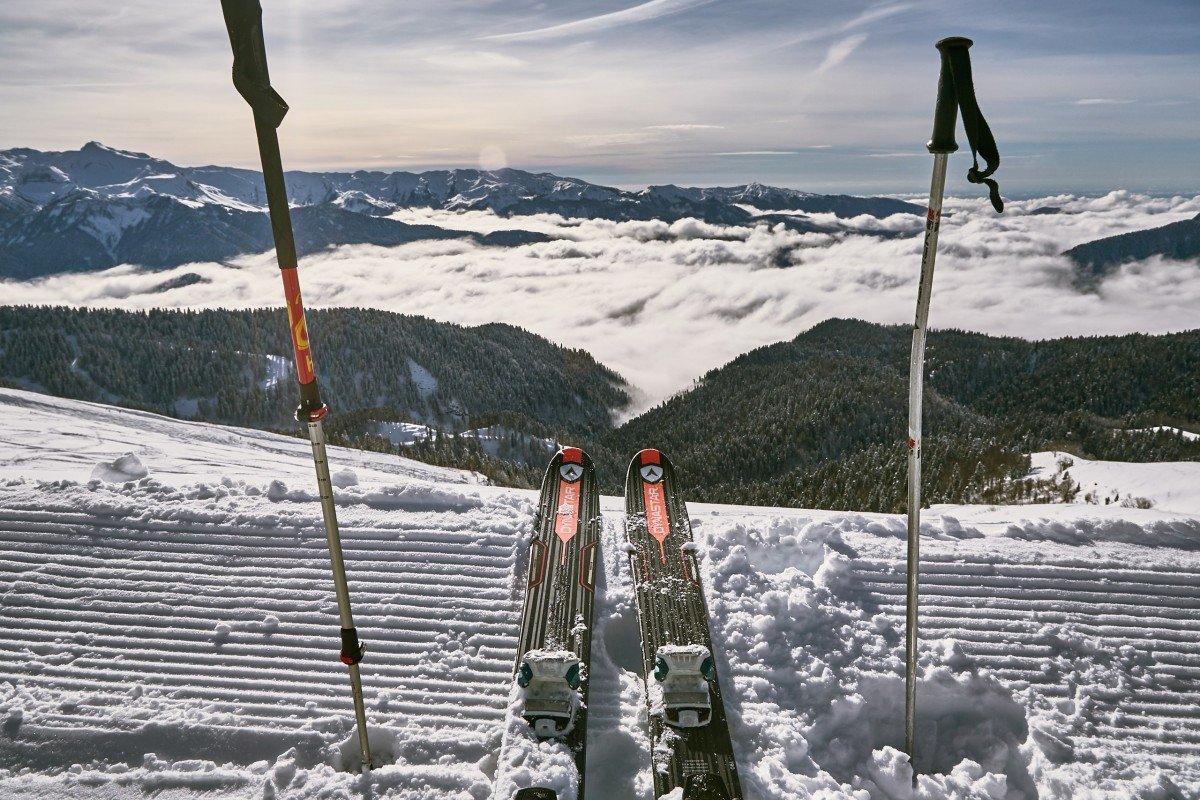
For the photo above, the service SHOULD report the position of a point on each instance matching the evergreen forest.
(817, 422)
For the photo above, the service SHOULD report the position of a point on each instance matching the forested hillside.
(1093, 260)
(235, 366)
(819, 421)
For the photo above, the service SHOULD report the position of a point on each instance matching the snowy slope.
(176, 633)
(1173, 486)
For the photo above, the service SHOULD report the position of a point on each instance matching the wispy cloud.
(474, 61)
(1101, 101)
(684, 127)
(644, 135)
(840, 50)
(608, 139)
(757, 153)
(873, 14)
(580, 27)
(882, 11)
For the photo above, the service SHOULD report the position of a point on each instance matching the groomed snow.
(174, 635)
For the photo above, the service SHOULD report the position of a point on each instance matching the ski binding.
(685, 672)
(549, 681)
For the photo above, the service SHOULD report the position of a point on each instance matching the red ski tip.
(572, 455)
(650, 457)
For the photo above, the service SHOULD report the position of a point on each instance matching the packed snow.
(170, 630)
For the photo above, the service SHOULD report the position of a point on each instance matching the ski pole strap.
(956, 75)
(352, 651)
(243, 19)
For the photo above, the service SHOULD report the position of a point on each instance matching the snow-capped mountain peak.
(50, 220)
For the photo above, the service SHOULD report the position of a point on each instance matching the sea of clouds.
(663, 303)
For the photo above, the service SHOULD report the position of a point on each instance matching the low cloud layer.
(662, 303)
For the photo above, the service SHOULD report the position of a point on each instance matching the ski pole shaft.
(351, 651)
(243, 18)
(916, 369)
(941, 145)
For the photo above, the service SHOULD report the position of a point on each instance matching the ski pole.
(243, 18)
(955, 90)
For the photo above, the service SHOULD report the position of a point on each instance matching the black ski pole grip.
(243, 20)
(312, 408)
(352, 651)
(945, 114)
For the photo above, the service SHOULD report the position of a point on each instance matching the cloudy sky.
(1084, 95)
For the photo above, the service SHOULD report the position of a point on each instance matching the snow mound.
(344, 478)
(526, 761)
(125, 468)
(818, 672)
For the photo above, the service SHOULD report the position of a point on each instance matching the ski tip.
(650, 464)
(570, 464)
(535, 794)
(648, 456)
(705, 786)
(573, 455)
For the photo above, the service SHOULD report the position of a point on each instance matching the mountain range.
(98, 206)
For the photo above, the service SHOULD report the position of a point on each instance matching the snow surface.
(175, 635)
(1172, 486)
(278, 369)
(1188, 435)
(494, 438)
(399, 433)
(423, 379)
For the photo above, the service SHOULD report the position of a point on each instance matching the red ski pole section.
(566, 521)
(657, 523)
(297, 326)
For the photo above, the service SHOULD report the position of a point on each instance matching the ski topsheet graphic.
(689, 737)
(556, 627)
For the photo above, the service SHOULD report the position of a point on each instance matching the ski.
(689, 736)
(554, 646)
